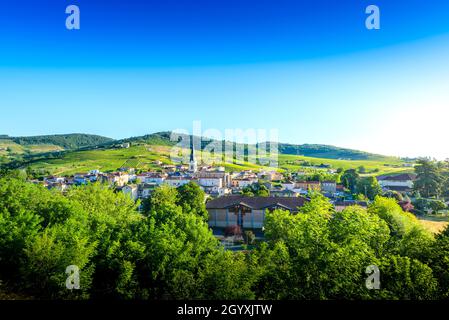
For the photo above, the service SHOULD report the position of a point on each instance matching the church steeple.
(193, 166)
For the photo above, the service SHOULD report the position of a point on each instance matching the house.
(270, 175)
(80, 179)
(92, 177)
(248, 212)
(144, 190)
(131, 191)
(284, 193)
(127, 169)
(306, 185)
(215, 191)
(329, 187)
(289, 185)
(150, 177)
(243, 182)
(53, 180)
(341, 205)
(399, 182)
(213, 179)
(177, 181)
(169, 168)
(118, 178)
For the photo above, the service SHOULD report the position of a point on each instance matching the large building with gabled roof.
(248, 212)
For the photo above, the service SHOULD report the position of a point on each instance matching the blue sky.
(307, 68)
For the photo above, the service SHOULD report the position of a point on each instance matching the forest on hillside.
(66, 141)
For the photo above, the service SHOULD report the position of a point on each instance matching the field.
(434, 224)
(378, 167)
(9, 148)
(143, 156)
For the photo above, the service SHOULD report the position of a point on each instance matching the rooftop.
(257, 203)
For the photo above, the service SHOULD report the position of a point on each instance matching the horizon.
(317, 75)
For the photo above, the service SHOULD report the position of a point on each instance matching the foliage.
(369, 187)
(191, 198)
(429, 181)
(168, 251)
(349, 179)
(256, 189)
(66, 141)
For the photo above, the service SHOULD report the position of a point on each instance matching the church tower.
(193, 165)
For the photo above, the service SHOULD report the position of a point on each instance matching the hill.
(65, 141)
(145, 151)
(308, 150)
(327, 152)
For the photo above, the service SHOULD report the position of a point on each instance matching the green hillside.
(65, 141)
(326, 152)
(307, 150)
(144, 157)
(144, 151)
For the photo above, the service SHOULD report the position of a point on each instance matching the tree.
(429, 181)
(393, 194)
(163, 198)
(369, 187)
(406, 279)
(408, 237)
(349, 179)
(256, 189)
(361, 169)
(192, 199)
(439, 262)
(437, 205)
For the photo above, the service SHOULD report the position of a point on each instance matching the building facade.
(248, 212)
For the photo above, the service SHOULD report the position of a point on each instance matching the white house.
(52, 180)
(177, 181)
(329, 186)
(149, 177)
(243, 182)
(118, 178)
(145, 189)
(404, 180)
(213, 179)
(131, 191)
(288, 185)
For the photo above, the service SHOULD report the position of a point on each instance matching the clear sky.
(307, 68)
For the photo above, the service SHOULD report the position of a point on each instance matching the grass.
(112, 159)
(17, 149)
(377, 167)
(143, 157)
(434, 224)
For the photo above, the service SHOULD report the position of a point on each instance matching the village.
(227, 199)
